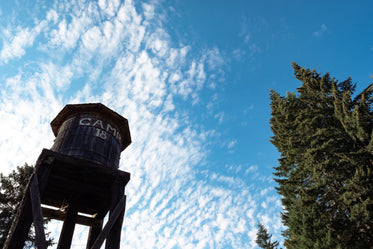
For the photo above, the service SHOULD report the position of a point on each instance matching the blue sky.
(193, 79)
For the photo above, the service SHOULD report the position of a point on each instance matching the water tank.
(92, 132)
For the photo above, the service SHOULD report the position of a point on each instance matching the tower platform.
(76, 191)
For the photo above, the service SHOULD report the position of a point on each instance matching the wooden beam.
(40, 241)
(71, 184)
(119, 209)
(60, 215)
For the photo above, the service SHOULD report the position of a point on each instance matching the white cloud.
(111, 55)
(67, 34)
(220, 116)
(321, 31)
(252, 168)
(91, 38)
(148, 11)
(231, 144)
(238, 54)
(254, 49)
(109, 7)
(248, 109)
(26, 106)
(214, 59)
(15, 45)
(58, 77)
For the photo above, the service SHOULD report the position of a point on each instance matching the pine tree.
(325, 169)
(12, 189)
(263, 238)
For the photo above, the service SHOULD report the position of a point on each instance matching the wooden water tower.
(78, 180)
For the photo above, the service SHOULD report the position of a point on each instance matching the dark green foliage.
(325, 174)
(263, 239)
(12, 188)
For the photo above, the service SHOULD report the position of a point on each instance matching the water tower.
(78, 180)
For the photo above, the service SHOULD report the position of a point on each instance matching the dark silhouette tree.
(12, 189)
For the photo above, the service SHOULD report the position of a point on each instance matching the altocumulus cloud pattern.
(123, 55)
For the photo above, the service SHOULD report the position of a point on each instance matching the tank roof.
(93, 108)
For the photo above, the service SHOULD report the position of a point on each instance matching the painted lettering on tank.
(111, 129)
(101, 128)
(85, 121)
(98, 123)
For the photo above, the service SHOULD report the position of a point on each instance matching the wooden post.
(94, 232)
(20, 228)
(113, 239)
(68, 228)
(22, 222)
(119, 209)
(36, 214)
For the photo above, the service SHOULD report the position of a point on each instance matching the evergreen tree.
(12, 189)
(263, 239)
(325, 174)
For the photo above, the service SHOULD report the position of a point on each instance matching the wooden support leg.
(68, 228)
(113, 239)
(22, 221)
(118, 211)
(40, 241)
(94, 232)
(21, 227)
